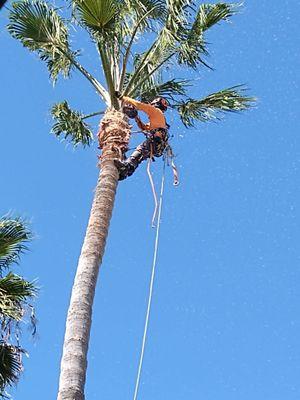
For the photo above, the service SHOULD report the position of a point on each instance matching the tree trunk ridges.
(114, 135)
(78, 325)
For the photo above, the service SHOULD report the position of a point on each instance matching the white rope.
(153, 192)
(150, 288)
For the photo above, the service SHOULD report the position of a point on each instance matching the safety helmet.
(160, 103)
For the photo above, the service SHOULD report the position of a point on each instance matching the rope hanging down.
(137, 384)
(153, 192)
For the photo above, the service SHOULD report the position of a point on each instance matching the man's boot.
(126, 168)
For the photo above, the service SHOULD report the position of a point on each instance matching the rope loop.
(150, 295)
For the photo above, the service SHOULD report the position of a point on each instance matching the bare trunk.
(114, 136)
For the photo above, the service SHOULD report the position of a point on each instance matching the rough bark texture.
(113, 138)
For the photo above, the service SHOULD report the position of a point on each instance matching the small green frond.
(39, 28)
(141, 20)
(148, 65)
(168, 90)
(16, 288)
(193, 47)
(191, 51)
(136, 9)
(167, 44)
(14, 294)
(13, 236)
(58, 63)
(178, 40)
(140, 7)
(211, 14)
(211, 107)
(99, 16)
(37, 25)
(70, 124)
(178, 14)
(10, 365)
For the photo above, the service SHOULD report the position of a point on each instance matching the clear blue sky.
(225, 322)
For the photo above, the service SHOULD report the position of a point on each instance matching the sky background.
(225, 320)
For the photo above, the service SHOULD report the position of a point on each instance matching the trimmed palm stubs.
(15, 295)
(177, 31)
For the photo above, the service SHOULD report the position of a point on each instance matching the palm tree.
(176, 31)
(15, 294)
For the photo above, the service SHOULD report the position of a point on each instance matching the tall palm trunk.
(113, 137)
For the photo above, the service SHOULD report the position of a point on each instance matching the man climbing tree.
(178, 29)
(156, 132)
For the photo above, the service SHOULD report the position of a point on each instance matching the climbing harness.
(150, 295)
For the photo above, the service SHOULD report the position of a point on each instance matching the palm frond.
(70, 124)
(211, 14)
(168, 90)
(157, 11)
(10, 365)
(181, 37)
(164, 46)
(59, 63)
(193, 47)
(157, 8)
(192, 51)
(150, 62)
(178, 14)
(13, 235)
(14, 295)
(39, 28)
(98, 16)
(211, 107)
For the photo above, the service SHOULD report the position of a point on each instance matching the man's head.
(160, 103)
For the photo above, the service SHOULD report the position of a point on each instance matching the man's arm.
(147, 108)
(141, 125)
(156, 117)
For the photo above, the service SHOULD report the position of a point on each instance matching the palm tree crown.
(178, 28)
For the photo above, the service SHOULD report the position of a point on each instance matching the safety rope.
(137, 384)
(153, 192)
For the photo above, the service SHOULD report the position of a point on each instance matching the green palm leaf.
(39, 28)
(193, 47)
(10, 365)
(181, 37)
(70, 124)
(211, 14)
(168, 90)
(13, 236)
(136, 9)
(14, 295)
(211, 107)
(99, 16)
(165, 45)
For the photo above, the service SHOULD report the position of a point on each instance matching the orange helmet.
(160, 103)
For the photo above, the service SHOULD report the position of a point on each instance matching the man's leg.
(153, 146)
(142, 152)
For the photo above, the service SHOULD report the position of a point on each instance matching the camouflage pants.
(153, 146)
